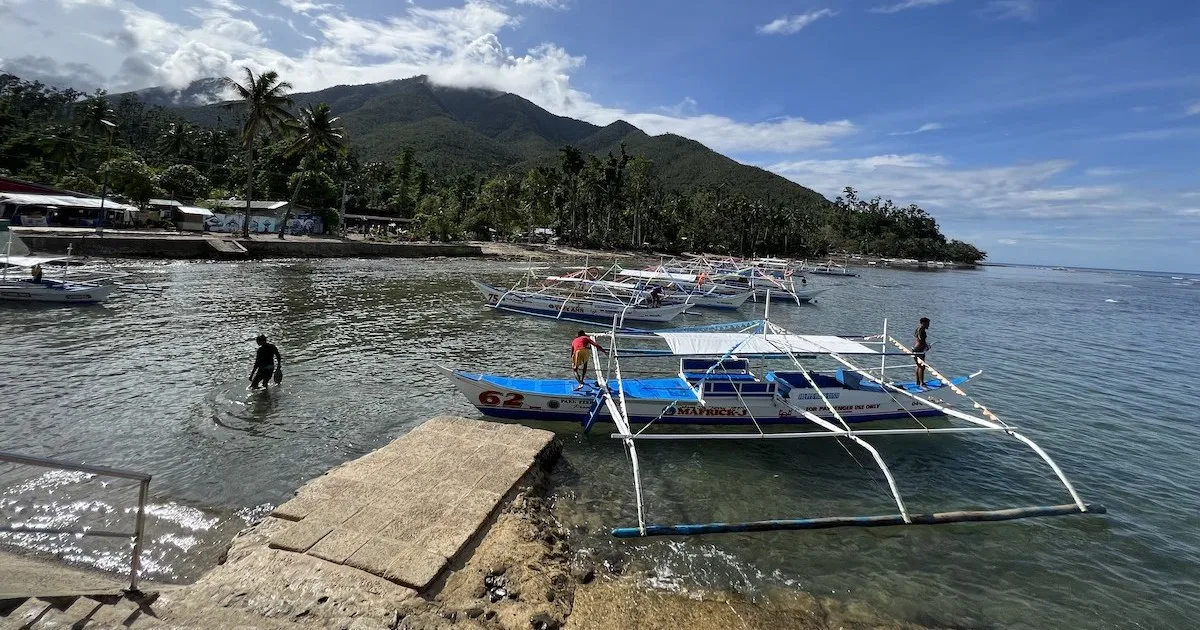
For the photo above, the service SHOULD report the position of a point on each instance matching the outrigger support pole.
(844, 430)
(619, 418)
(887, 520)
(1062, 477)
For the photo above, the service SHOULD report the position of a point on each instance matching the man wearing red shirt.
(581, 354)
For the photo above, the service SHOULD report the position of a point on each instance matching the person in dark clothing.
(656, 296)
(264, 363)
(920, 345)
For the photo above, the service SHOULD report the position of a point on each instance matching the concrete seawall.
(200, 247)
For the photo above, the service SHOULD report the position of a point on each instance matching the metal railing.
(138, 535)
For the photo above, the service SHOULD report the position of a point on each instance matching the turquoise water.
(1096, 367)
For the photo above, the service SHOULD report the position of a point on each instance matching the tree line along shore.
(268, 148)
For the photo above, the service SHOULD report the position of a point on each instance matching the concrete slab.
(405, 510)
(24, 576)
(338, 545)
(300, 537)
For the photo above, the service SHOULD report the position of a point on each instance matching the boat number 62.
(492, 398)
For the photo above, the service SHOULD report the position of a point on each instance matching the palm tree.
(93, 114)
(314, 133)
(177, 140)
(61, 146)
(264, 104)
(572, 163)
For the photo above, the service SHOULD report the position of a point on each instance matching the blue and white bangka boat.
(715, 386)
(706, 392)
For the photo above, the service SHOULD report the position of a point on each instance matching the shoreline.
(164, 245)
(314, 562)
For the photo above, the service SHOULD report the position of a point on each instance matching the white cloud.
(1007, 241)
(1012, 10)
(1193, 109)
(305, 7)
(932, 181)
(543, 4)
(790, 24)
(922, 129)
(782, 135)
(458, 46)
(906, 5)
(1107, 171)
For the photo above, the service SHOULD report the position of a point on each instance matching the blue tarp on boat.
(664, 389)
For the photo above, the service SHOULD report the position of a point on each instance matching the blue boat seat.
(717, 367)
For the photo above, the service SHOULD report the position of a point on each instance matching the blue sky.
(1045, 131)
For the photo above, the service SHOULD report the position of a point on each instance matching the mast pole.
(883, 351)
(7, 251)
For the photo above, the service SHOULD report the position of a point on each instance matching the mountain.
(474, 129)
(199, 92)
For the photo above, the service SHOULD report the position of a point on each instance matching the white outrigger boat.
(42, 290)
(827, 268)
(575, 306)
(756, 283)
(637, 288)
(715, 387)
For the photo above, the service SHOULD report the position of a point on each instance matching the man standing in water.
(920, 345)
(580, 355)
(264, 363)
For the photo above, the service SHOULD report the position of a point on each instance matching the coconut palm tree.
(314, 133)
(93, 114)
(263, 103)
(60, 145)
(177, 140)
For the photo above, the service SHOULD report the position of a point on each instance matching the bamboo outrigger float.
(766, 339)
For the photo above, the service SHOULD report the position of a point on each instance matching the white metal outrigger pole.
(883, 351)
(621, 419)
(1062, 477)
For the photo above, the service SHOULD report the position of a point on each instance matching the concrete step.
(226, 248)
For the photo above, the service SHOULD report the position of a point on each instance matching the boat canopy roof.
(747, 344)
(29, 261)
(657, 275)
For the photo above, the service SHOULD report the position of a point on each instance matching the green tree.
(93, 115)
(130, 176)
(572, 164)
(177, 140)
(184, 181)
(315, 133)
(62, 147)
(77, 183)
(263, 104)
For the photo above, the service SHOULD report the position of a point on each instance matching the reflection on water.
(157, 383)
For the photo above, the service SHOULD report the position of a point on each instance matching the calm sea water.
(1099, 368)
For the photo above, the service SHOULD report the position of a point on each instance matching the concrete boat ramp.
(345, 552)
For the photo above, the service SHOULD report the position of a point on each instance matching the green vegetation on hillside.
(461, 163)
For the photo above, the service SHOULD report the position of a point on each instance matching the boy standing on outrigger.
(581, 354)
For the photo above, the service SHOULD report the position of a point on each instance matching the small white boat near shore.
(20, 283)
(54, 291)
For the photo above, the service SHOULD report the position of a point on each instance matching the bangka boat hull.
(54, 291)
(558, 306)
(672, 401)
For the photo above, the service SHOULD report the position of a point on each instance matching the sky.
(1057, 132)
